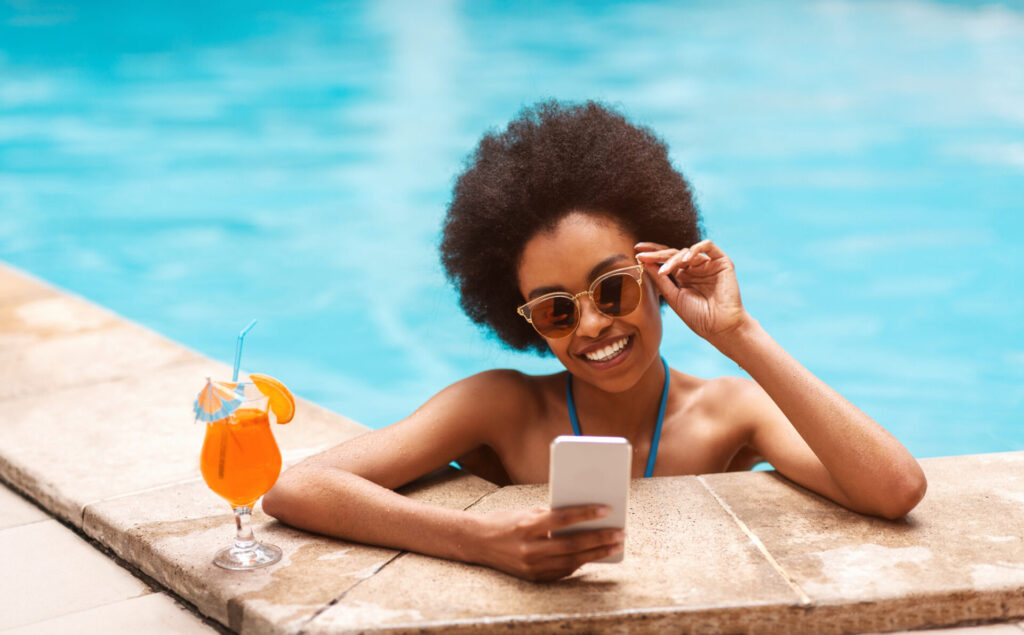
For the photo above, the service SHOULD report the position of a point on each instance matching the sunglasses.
(616, 293)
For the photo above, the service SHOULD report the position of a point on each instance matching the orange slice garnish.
(281, 400)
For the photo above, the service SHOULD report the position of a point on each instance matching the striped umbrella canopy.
(218, 399)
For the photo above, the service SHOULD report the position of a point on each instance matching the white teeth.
(608, 352)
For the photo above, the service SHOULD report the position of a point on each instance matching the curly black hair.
(554, 158)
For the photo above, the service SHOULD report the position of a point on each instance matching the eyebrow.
(539, 291)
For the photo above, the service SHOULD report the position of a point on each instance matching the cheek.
(557, 345)
(651, 302)
(560, 349)
(651, 311)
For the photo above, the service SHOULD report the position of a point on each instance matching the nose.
(592, 321)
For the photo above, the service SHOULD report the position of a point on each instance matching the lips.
(607, 350)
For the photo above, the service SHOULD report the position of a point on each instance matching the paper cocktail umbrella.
(218, 399)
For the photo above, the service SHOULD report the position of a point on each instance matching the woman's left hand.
(699, 283)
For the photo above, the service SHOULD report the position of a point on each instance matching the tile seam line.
(318, 613)
(805, 600)
(153, 585)
(154, 590)
(480, 499)
(302, 629)
(148, 592)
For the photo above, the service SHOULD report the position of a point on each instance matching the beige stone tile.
(49, 571)
(687, 566)
(15, 510)
(153, 613)
(53, 314)
(16, 284)
(125, 436)
(956, 558)
(172, 534)
(51, 343)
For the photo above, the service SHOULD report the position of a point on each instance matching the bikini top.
(653, 454)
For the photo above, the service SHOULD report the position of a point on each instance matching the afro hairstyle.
(554, 158)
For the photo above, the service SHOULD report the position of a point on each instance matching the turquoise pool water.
(194, 166)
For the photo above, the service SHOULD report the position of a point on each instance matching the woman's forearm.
(871, 468)
(334, 502)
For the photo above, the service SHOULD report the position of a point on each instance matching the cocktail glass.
(240, 461)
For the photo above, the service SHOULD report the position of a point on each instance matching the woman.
(565, 235)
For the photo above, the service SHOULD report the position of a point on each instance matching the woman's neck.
(630, 413)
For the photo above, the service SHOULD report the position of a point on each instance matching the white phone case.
(591, 470)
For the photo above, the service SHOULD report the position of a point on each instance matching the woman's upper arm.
(777, 441)
(453, 422)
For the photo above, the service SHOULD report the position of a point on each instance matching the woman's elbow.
(280, 500)
(273, 503)
(904, 493)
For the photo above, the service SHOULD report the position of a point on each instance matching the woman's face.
(568, 258)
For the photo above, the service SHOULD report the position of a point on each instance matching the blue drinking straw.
(238, 349)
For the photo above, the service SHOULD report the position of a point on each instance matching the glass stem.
(244, 540)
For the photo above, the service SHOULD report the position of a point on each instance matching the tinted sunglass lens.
(555, 317)
(617, 295)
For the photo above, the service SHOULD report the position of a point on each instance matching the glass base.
(259, 555)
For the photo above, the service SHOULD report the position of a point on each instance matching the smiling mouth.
(609, 352)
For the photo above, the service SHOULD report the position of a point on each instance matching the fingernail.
(604, 510)
(663, 270)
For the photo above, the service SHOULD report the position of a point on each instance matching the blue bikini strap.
(652, 456)
(572, 406)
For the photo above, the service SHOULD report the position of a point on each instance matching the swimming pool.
(863, 164)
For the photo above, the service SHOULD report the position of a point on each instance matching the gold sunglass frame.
(633, 271)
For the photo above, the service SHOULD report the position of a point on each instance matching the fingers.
(574, 542)
(565, 516)
(653, 252)
(533, 552)
(671, 263)
(585, 541)
(648, 251)
(683, 258)
(681, 261)
(561, 566)
(559, 556)
(707, 247)
(643, 247)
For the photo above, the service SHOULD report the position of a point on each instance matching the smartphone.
(591, 470)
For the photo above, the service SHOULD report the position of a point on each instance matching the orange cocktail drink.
(240, 461)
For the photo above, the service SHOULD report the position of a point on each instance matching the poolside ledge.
(96, 427)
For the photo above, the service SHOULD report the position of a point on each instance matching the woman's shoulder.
(509, 379)
(509, 391)
(715, 396)
(722, 399)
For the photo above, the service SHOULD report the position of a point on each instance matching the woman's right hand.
(520, 542)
